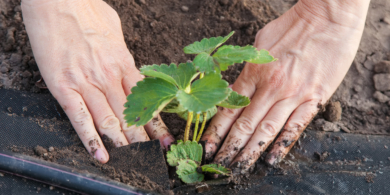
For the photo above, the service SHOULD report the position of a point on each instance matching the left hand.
(315, 43)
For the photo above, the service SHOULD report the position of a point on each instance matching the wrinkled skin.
(315, 43)
(82, 56)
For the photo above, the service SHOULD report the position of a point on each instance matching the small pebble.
(9, 109)
(386, 19)
(1, 175)
(184, 8)
(51, 149)
(51, 188)
(202, 188)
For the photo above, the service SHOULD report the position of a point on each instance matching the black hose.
(61, 176)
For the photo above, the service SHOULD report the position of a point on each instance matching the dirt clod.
(382, 67)
(370, 178)
(382, 98)
(327, 126)
(321, 157)
(40, 151)
(333, 112)
(382, 82)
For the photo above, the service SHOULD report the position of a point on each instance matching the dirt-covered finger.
(81, 119)
(157, 129)
(225, 117)
(291, 132)
(106, 121)
(116, 98)
(265, 133)
(244, 127)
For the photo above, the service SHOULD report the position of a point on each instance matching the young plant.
(172, 89)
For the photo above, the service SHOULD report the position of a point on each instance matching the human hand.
(82, 56)
(315, 42)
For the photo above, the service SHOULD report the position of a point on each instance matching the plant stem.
(203, 125)
(196, 127)
(197, 117)
(188, 126)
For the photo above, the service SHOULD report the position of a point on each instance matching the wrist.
(346, 13)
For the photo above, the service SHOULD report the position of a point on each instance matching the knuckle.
(81, 117)
(110, 123)
(244, 125)
(228, 112)
(294, 126)
(269, 127)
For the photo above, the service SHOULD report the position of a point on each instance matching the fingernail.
(166, 142)
(100, 155)
(271, 159)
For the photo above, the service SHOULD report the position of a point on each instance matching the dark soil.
(141, 165)
(155, 32)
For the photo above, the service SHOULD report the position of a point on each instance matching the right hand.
(83, 58)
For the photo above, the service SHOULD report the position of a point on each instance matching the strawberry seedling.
(173, 89)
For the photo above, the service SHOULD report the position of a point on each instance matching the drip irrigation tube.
(61, 176)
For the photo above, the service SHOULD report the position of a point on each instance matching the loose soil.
(155, 31)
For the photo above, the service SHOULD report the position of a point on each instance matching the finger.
(265, 133)
(292, 130)
(225, 117)
(81, 119)
(116, 98)
(105, 119)
(156, 128)
(244, 127)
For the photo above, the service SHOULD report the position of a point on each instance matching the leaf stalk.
(202, 127)
(196, 127)
(188, 126)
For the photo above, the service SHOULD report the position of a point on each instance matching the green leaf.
(206, 45)
(174, 107)
(216, 169)
(147, 99)
(228, 55)
(180, 76)
(204, 62)
(205, 93)
(186, 170)
(191, 150)
(235, 101)
(210, 113)
(262, 57)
